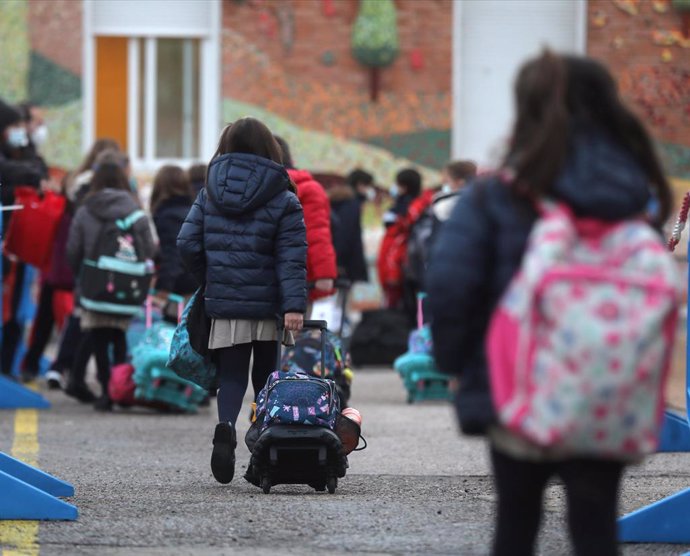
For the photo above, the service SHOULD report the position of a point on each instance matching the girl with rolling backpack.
(560, 320)
(245, 240)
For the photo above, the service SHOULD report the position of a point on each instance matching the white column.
(88, 79)
(150, 92)
(133, 108)
(210, 86)
(456, 80)
(188, 99)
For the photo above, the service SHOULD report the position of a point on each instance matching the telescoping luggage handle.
(172, 297)
(320, 325)
(343, 285)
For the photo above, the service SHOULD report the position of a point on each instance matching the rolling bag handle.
(172, 297)
(321, 325)
(420, 310)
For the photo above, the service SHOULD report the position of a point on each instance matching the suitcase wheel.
(266, 485)
(332, 484)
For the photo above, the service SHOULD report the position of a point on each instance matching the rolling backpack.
(296, 398)
(580, 344)
(115, 278)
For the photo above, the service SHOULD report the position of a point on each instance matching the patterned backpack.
(115, 278)
(580, 344)
(295, 398)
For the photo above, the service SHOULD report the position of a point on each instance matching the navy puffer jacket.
(168, 219)
(245, 239)
(480, 248)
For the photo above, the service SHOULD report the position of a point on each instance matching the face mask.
(40, 135)
(394, 191)
(371, 194)
(17, 137)
(446, 188)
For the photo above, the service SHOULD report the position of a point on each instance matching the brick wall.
(55, 32)
(654, 78)
(280, 66)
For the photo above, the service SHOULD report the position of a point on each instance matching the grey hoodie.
(106, 205)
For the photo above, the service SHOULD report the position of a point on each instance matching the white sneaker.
(54, 380)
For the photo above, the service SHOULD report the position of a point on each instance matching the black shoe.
(223, 456)
(103, 404)
(81, 393)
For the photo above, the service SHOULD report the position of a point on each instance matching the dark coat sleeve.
(76, 241)
(458, 278)
(169, 268)
(190, 241)
(291, 258)
(142, 230)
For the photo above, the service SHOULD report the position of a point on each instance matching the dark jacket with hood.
(168, 218)
(347, 234)
(480, 248)
(105, 206)
(245, 239)
(18, 166)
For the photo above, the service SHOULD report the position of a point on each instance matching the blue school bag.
(295, 398)
(183, 358)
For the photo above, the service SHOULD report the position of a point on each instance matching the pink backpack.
(580, 344)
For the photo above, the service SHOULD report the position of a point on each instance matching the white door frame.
(209, 91)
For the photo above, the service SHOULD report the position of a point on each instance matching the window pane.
(177, 98)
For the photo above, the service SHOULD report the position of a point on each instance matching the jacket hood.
(111, 204)
(341, 192)
(239, 183)
(602, 180)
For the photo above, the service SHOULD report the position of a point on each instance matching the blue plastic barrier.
(28, 493)
(16, 396)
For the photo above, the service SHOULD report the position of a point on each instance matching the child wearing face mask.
(19, 166)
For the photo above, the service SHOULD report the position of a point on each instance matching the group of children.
(259, 233)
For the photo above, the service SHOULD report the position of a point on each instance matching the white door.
(491, 39)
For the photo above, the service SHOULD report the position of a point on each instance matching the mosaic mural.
(642, 41)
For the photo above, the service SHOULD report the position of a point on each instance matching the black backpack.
(379, 338)
(115, 278)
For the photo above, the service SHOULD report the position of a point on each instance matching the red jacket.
(321, 261)
(393, 251)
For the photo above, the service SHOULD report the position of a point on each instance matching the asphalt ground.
(144, 486)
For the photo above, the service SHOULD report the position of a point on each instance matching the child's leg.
(76, 382)
(265, 354)
(592, 488)
(40, 334)
(233, 374)
(119, 340)
(101, 338)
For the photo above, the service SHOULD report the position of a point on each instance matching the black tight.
(98, 342)
(233, 375)
(592, 493)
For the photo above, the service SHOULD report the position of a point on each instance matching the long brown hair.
(109, 172)
(170, 181)
(553, 95)
(97, 148)
(251, 136)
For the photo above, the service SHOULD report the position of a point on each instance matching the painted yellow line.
(21, 537)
